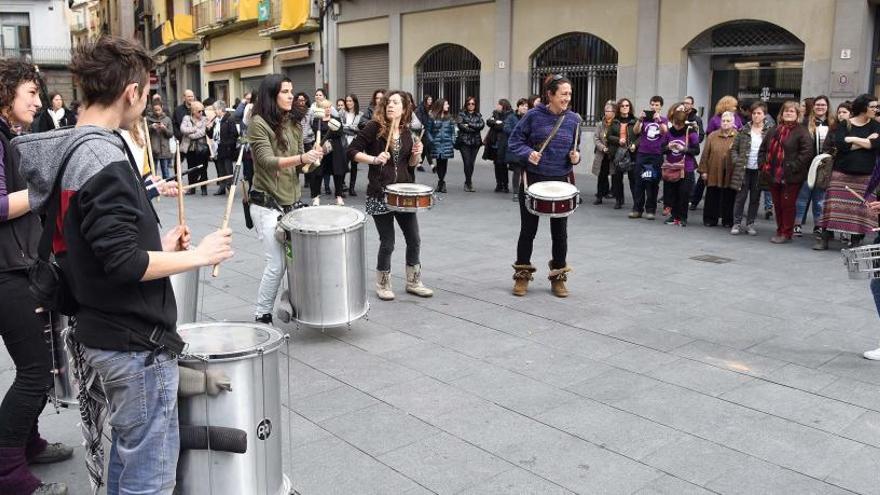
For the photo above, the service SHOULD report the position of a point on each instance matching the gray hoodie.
(42, 154)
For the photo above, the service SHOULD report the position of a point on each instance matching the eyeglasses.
(471, 103)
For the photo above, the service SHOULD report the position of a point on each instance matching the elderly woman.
(785, 160)
(716, 170)
(601, 157)
(194, 143)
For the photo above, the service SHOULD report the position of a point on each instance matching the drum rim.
(272, 345)
(428, 189)
(575, 191)
(359, 223)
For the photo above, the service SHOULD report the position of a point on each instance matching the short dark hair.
(13, 73)
(532, 99)
(505, 104)
(758, 104)
(860, 104)
(468, 100)
(689, 97)
(104, 67)
(657, 98)
(551, 85)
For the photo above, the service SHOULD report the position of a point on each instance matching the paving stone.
(426, 398)
(516, 392)
(516, 482)
(866, 428)
(804, 352)
(852, 366)
(696, 460)
(304, 431)
(855, 392)
(729, 358)
(641, 360)
(434, 360)
(378, 429)
(333, 467)
(803, 407)
(332, 403)
(669, 485)
(858, 471)
(548, 365)
(802, 378)
(701, 377)
(444, 464)
(756, 476)
(583, 343)
(654, 338)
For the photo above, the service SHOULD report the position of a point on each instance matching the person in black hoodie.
(496, 123)
(470, 123)
(117, 265)
(21, 327)
(227, 149)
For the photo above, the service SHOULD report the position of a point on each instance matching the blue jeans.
(804, 200)
(165, 168)
(768, 200)
(143, 419)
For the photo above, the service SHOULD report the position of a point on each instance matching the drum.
(326, 267)
(862, 262)
(65, 390)
(553, 199)
(248, 354)
(409, 198)
(186, 294)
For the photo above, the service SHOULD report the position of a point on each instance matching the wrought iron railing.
(39, 55)
(453, 86)
(591, 87)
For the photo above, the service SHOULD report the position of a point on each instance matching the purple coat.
(715, 123)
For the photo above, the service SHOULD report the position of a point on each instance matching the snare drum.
(553, 199)
(862, 262)
(409, 198)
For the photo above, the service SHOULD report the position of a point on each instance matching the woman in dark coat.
(496, 124)
(334, 163)
(513, 162)
(441, 128)
(470, 123)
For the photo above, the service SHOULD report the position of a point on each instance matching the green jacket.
(282, 183)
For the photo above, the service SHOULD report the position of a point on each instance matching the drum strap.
(552, 133)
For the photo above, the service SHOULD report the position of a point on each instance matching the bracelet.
(301, 160)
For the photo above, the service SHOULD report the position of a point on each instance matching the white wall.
(49, 24)
(699, 82)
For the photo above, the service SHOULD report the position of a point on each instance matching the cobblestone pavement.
(660, 374)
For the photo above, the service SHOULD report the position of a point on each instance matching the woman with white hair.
(194, 143)
(716, 170)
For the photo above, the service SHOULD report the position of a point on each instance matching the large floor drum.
(328, 286)
(248, 354)
(186, 294)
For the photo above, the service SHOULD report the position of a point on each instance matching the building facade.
(38, 30)
(754, 49)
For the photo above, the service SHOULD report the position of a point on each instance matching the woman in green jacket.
(275, 137)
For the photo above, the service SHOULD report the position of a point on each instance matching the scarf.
(92, 408)
(776, 153)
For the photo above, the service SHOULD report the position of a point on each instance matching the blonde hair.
(785, 106)
(725, 104)
(195, 107)
(829, 116)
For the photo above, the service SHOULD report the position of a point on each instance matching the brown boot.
(522, 275)
(557, 279)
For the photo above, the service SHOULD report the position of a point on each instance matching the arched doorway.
(752, 60)
(448, 71)
(588, 62)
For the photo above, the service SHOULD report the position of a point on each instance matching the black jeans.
(194, 160)
(603, 187)
(469, 156)
(353, 171)
(645, 194)
(719, 204)
(224, 168)
(516, 176)
(501, 175)
(409, 225)
(442, 164)
(313, 179)
(677, 195)
(617, 185)
(528, 229)
(23, 332)
(699, 187)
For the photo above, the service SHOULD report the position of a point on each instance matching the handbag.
(622, 160)
(199, 146)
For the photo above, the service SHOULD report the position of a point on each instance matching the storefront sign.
(842, 84)
(766, 94)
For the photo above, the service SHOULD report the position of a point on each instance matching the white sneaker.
(316, 201)
(736, 229)
(872, 355)
(750, 228)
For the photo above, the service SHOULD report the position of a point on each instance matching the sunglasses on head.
(558, 77)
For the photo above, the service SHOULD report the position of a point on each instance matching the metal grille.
(448, 72)
(746, 38)
(588, 62)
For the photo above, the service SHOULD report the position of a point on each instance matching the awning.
(293, 52)
(235, 63)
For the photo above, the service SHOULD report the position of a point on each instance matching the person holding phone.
(651, 128)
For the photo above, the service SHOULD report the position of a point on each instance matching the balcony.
(215, 16)
(78, 25)
(284, 17)
(40, 55)
(174, 37)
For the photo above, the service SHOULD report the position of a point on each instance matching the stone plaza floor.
(660, 374)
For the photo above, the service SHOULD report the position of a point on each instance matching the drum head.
(408, 188)
(228, 340)
(552, 189)
(323, 219)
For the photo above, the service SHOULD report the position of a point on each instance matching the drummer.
(391, 120)
(275, 135)
(532, 133)
(21, 327)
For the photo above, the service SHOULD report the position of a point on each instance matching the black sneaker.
(420, 168)
(266, 318)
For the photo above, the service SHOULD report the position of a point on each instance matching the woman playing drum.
(391, 122)
(545, 138)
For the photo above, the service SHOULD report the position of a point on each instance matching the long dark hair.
(405, 118)
(357, 105)
(266, 106)
(437, 109)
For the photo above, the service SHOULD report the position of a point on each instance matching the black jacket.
(227, 148)
(43, 122)
(177, 118)
(18, 237)
(469, 126)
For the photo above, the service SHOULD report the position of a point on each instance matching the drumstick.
(149, 147)
(181, 217)
(577, 136)
(422, 133)
(394, 124)
(856, 194)
(162, 181)
(205, 182)
(236, 176)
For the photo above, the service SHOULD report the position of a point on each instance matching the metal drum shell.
(863, 262)
(327, 271)
(186, 294)
(256, 395)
